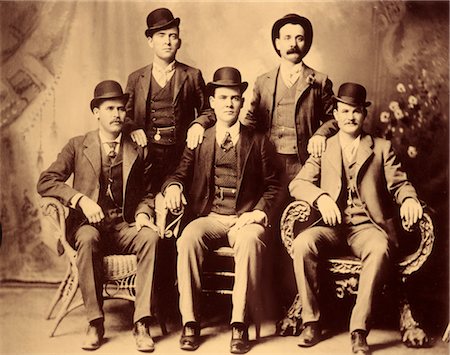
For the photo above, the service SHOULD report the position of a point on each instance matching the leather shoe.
(239, 339)
(94, 335)
(359, 342)
(190, 337)
(141, 332)
(310, 335)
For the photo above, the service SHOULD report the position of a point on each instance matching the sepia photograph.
(219, 177)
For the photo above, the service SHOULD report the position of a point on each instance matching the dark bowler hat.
(352, 94)
(106, 90)
(228, 77)
(296, 20)
(160, 19)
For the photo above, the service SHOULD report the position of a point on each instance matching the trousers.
(92, 243)
(367, 242)
(209, 233)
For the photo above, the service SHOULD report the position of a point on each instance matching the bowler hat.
(352, 94)
(106, 90)
(160, 19)
(294, 19)
(228, 77)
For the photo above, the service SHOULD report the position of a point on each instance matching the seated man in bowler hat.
(230, 185)
(168, 103)
(111, 209)
(353, 185)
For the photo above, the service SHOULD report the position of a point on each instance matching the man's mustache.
(294, 50)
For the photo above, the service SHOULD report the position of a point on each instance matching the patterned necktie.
(227, 143)
(112, 153)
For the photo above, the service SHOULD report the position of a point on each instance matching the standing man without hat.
(230, 184)
(353, 185)
(110, 209)
(167, 103)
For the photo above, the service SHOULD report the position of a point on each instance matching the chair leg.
(59, 294)
(257, 330)
(69, 292)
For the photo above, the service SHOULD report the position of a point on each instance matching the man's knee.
(87, 236)
(190, 237)
(377, 248)
(305, 244)
(251, 237)
(146, 238)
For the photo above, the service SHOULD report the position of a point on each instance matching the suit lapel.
(180, 77)
(302, 83)
(92, 151)
(244, 148)
(333, 154)
(208, 146)
(146, 76)
(129, 157)
(364, 152)
(271, 86)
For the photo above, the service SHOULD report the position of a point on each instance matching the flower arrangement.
(414, 117)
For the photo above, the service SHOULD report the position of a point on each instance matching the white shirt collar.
(169, 68)
(290, 74)
(104, 141)
(349, 147)
(221, 131)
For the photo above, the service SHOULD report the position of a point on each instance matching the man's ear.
(277, 43)
(95, 111)
(335, 113)
(150, 42)
(211, 102)
(179, 43)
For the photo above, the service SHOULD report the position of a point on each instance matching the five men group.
(232, 178)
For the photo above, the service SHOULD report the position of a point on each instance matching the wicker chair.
(345, 271)
(119, 270)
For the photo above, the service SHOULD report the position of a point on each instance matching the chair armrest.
(56, 212)
(414, 261)
(297, 211)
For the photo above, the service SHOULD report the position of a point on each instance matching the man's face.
(350, 119)
(291, 42)
(165, 43)
(227, 103)
(110, 115)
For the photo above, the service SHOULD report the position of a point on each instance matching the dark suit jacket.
(258, 177)
(314, 105)
(81, 157)
(379, 178)
(189, 98)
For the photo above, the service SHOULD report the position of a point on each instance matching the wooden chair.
(345, 271)
(218, 276)
(119, 270)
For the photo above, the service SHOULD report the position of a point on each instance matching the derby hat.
(227, 77)
(160, 19)
(352, 94)
(296, 20)
(108, 90)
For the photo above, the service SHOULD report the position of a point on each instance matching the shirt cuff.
(75, 199)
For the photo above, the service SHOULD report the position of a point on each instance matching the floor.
(24, 330)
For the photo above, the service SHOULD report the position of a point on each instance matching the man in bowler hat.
(353, 185)
(111, 209)
(230, 184)
(167, 104)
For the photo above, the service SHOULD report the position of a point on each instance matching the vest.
(225, 180)
(354, 212)
(111, 175)
(160, 113)
(283, 132)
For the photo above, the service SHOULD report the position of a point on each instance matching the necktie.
(227, 143)
(112, 153)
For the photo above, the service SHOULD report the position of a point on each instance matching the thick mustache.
(294, 50)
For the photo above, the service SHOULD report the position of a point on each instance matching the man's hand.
(411, 211)
(91, 210)
(195, 135)
(317, 145)
(330, 211)
(256, 216)
(174, 198)
(143, 220)
(138, 136)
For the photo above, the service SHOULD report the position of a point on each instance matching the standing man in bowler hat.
(111, 209)
(230, 184)
(353, 185)
(167, 103)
